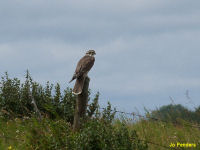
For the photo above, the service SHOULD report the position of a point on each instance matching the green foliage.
(173, 113)
(55, 131)
(58, 135)
(93, 106)
(10, 94)
(15, 100)
(100, 130)
(197, 111)
(98, 135)
(159, 134)
(67, 105)
(48, 134)
(108, 115)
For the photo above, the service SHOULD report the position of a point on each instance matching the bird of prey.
(83, 67)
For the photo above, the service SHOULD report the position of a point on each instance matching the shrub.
(94, 135)
(173, 113)
(15, 100)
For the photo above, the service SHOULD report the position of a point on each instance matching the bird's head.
(91, 52)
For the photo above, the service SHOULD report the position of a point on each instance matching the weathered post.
(81, 105)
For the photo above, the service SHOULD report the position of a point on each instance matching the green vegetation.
(102, 130)
(173, 113)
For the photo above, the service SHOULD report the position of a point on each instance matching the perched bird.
(83, 67)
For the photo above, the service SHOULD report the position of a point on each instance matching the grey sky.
(147, 50)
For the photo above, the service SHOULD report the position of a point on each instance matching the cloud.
(143, 47)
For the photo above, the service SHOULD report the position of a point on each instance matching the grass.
(21, 134)
(165, 133)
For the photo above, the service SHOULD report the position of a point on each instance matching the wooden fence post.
(81, 105)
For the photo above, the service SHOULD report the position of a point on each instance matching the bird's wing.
(84, 65)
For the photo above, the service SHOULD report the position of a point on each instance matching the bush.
(15, 100)
(94, 135)
(97, 133)
(173, 113)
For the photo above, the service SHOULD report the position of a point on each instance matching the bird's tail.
(74, 77)
(78, 87)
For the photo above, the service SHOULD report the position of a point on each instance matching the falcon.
(83, 67)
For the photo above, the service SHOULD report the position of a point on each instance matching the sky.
(147, 50)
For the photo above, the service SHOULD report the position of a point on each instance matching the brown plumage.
(83, 67)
